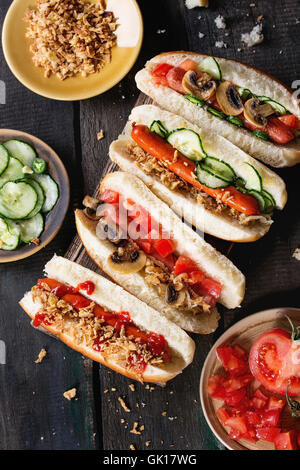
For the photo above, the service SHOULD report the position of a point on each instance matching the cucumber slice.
(13, 171)
(236, 121)
(194, 100)
(215, 112)
(158, 128)
(9, 236)
(31, 228)
(50, 189)
(4, 158)
(218, 168)
(260, 134)
(17, 199)
(211, 66)
(251, 177)
(260, 198)
(40, 194)
(39, 165)
(245, 93)
(209, 180)
(187, 142)
(270, 203)
(278, 108)
(21, 150)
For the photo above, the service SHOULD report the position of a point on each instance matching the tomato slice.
(289, 120)
(286, 441)
(195, 277)
(188, 64)
(273, 362)
(267, 433)
(164, 247)
(174, 77)
(110, 196)
(161, 70)
(278, 131)
(211, 287)
(184, 265)
(231, 362)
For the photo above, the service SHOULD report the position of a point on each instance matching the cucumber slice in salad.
(251, 177)
(4, 158)
(20, 150)
(211, 66)
(219, 169)
(187, 142)
(40, 195)
(17, 199)
(13, 171)
(260, 199)
(278, 108)
(270, 203)
(31, 228)
(9, 236)
(207, 179)
(50, 189)
(159, 128)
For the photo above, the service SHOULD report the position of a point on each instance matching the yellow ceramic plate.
(124, 55)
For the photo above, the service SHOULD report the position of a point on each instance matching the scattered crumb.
(122, 420)
(100, 135)
(259, 18)
(142, 428)
(171, 445)
(161, 442)
(196, 3)
(41, 356)
(69, 394)
(296, 254)
(134, 429)
(113, 389)
(220, 22)
(132, 387)
(201, 35)
(152, 388)
(143, 404)
(123, 404)
(131, 447)
(147, 387)
(164, 413)
(147, 443)
(106, 390)
(254, 37)
(171, 393)
(36, 241)
(161, 31)
(252, 5)
(220, 44)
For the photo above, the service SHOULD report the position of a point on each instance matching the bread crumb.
(113, 389)
(252, 5)
(201, 35)
(69, 394)
(100, 135)
(134, 429)
(220, 44)
(161, 31)
(259, 18)
(106, 390)
(220, 22)
(131, 447)
(164, 413)
(41, 356)
(147, 443)
(296, 254)
(123, 404)
(254, 37)
(142, 428)
(122, 420)
(196, 3)
(36, 241)
(132, 387)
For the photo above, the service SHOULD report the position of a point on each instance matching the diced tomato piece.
(289, 120)
(164, 247)
(215, 387)
(250, 435)
(259, 394)
(240, 352)
(168, 261)
(211, 287)
(286, 441)
(234, 365)
(222, 415)
(235, 383)
(195, 277)
(188, 64)
(159, 81)
(184, 265)
(269, 418)
(174, 77)
(258, 403)
(243, 406)
(145, 245)
(278, 131)
(110, 196)
(267, 433)
(237, 423)
(161, 70)
(252, 418)
(275, 403)
(234, 398)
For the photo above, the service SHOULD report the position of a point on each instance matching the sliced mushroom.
(201, 87)
(91, 202)
(229, 99)
(91, 214)
(106, 230)
(257, 113)
(127, 264)
(173, 296)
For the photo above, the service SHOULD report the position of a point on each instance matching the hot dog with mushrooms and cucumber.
(239, 102)
(219, 189)
(27, 194)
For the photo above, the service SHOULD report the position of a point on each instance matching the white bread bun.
(117, 299)
(189, 243)
(215, 224)
(242, 75)
(100, 250)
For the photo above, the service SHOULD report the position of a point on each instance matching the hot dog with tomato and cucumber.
(142, 245)
(243, 104)
(206, 179)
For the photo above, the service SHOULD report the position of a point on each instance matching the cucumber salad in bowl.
(27, 194)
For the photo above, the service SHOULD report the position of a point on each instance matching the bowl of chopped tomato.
(250, 383)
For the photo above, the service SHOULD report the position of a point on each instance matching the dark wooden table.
(33, 412)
